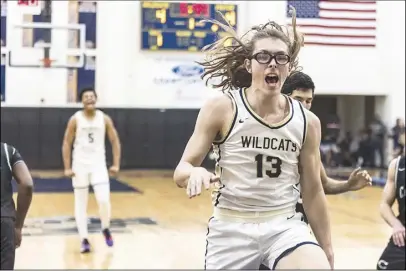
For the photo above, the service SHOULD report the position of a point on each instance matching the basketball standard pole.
(46, 14)
(47, 34)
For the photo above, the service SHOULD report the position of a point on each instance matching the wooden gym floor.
(178, 239)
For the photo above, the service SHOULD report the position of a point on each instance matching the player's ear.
(248, 65)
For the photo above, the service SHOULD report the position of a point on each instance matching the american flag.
(336, 23)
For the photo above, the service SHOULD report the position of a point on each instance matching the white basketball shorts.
(232, 244)
(89, 175)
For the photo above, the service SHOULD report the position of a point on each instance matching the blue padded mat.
(64, 185)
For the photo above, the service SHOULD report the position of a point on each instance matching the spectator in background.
(333, 127)
(378, 133)
(354, 147)
(328, 146)
(398, 130)
(347, 159)
(366, 151)
(329, 150)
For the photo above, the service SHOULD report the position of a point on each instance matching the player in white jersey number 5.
(262, 138)
(86, 130)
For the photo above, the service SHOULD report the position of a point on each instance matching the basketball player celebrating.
(258, 139)
(393, 257)
(87, 129)
(12, 220)
(300, 87)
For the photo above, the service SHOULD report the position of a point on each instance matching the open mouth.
(272, 79)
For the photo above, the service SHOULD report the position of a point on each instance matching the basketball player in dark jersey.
(12, 221)
(393, 257)
(300, 86)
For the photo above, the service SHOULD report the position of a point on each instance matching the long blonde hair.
(226, 62)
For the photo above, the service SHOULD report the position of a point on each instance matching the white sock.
(102, 194)
(81, 198)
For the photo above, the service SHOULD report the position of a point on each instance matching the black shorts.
(264, 267)
(392, 258)
(7, 243)
(300, 209)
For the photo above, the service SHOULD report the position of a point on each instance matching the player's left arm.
(25, 186)
(314, 199)
(357, 180)
(114, 141)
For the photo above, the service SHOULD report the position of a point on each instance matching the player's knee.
(81, 196)
(102, 193)
(103, 200)
(307, 256)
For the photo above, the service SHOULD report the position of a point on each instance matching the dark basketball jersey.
(9, 157)
(400, 187)
(299, 206)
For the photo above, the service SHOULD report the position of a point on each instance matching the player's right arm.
(209, 124)
(67, 143)
(388, 198)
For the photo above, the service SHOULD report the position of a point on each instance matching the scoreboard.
(177, 26)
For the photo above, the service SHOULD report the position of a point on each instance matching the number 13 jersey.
(89, 146)
(257, 162)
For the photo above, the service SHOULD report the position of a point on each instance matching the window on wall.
(325, 107)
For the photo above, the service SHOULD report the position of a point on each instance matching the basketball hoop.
(47, 62)
(30, 7)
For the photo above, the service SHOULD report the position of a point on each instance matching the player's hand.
(69, 173)
(398, 235)
(359, 179)
(114, 170)
(17, 237)
(200, 177)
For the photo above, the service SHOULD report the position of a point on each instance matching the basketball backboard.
(34, 50)
(32, 7)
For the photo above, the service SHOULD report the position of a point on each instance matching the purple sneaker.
(108, 237)
(85, 247)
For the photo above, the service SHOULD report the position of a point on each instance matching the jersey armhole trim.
(223, 139)
(7, 156)
(397, 169)
(19, 161)
(304, 122)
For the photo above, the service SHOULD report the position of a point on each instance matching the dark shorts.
(7, 243)
(300, 209)
(392, 258)
(264, 267)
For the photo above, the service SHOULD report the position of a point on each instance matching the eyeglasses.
(266, 58)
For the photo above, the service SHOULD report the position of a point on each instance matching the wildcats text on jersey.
(266, 143)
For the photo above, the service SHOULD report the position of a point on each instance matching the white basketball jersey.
(257, 162)
(89, 145)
